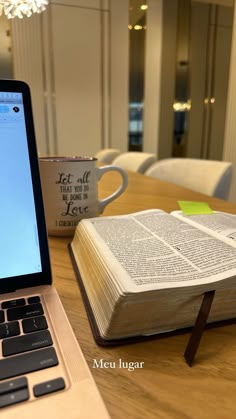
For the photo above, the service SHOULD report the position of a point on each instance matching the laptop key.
(9, 329)
(49, 387)
(14, 397)
(13, 385)
(28, 362)
(13, 303)
(34, 324)
(31, 310)
(34, 299)
(26, 343)
(1, 316)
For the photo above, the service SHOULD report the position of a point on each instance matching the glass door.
(203, 49)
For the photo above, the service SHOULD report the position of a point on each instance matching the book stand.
(199, 327)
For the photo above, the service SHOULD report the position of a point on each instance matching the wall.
(229, 150)
(118, 74)
(152, 81)
(27, 52)
(75, 36)
(36, 62)
(61, 54)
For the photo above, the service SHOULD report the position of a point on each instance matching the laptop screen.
(20, 247)
(19, 232)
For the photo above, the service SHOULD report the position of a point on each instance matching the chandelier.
(21, 8)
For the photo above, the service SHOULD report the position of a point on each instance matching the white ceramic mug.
(70, 191)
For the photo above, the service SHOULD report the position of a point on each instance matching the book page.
(154, 250)
(222, 223)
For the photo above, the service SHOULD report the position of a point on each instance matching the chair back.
(107, 155)
(207, 176)
(136, 161)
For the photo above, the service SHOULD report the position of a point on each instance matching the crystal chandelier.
(21, 8)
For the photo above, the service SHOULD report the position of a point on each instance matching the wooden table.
(166, 387)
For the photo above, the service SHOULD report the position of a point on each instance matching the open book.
(146, 273)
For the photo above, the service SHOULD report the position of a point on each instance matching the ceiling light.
(21, 8)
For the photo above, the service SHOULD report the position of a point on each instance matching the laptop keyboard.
(27, 346)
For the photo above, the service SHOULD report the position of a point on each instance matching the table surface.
(165, 387)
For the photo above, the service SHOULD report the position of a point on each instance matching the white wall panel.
(28, 66)
(229, 152)
(105, 140)
(61, 55)
(88, 4)
(94, 4)
(152, 76)
(119, 74)
(76, 48)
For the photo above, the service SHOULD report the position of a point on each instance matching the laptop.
(43, 373)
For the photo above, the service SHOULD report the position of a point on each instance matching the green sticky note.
(192, 207)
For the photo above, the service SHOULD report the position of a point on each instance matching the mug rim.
(65, 159)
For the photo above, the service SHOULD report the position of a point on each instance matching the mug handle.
(111, 168)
